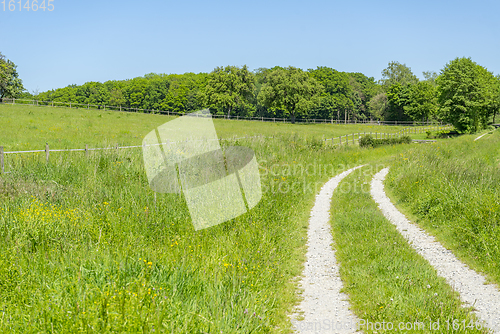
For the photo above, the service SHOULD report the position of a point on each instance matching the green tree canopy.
(430, 76)
(398, 97)
(337, 94)
(363, 90)
(10, 84)
(397, 73)
(465, 94)
(422, 101)
(229, 87)
(378, 105)
(290, 90)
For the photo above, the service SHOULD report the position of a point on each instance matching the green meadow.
(87, 246)
(26, 127)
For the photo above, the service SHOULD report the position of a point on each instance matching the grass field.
(385, 278)
(452, 190)
(27, 128)
(86, 246)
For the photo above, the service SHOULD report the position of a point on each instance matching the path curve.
(481, 136)
(324, 307)
(472, 286)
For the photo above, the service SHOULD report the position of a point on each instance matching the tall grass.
(452, 189)
(28, 128)
(87, 246)
(390, 286)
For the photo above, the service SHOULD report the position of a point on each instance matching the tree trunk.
(292, 117)
(229, 112)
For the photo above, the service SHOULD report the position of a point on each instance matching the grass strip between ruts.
(388, 283)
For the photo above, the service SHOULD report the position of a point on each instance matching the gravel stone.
(472, 286)
(325, 309)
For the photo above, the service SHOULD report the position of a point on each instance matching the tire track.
(472, 286)
(324, 307)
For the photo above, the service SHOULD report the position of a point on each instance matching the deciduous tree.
(228, 88)
(10, 84)
(422, 101)
(465, 92)
(397, 73)
(290, 90)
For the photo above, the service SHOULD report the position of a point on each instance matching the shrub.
(368, 141)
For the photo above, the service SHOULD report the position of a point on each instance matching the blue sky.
(92, 40)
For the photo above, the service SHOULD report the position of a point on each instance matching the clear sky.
(89, 40)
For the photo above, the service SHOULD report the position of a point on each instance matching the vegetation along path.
(321, 282)
(471, 285)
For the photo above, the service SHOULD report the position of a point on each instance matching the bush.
(368, 141)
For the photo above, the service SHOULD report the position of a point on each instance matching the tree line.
(464, 93)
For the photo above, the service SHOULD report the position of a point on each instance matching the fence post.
(86, 150)
(47, 151)
(340, 139)
(1, 159)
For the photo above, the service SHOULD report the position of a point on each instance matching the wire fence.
(355, 137)
(335, 141)
(236, 117)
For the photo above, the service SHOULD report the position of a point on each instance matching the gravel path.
(471, 285)
(325, 309)
(481, 136)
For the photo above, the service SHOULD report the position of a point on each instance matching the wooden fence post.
(47, 152)
(1, 159)
(340, 139)
(86, 150)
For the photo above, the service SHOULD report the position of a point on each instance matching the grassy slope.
(387, 281)
(26, 127)
(85, 246)
(452, 189)
(85, 235)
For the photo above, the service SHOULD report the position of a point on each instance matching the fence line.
(335, 141)
(242, 118)
(383, 135)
